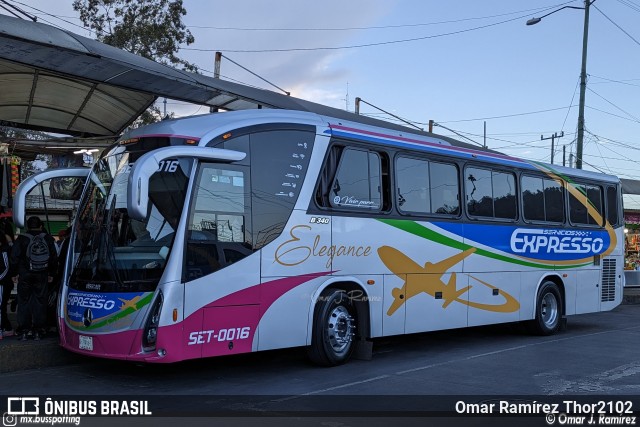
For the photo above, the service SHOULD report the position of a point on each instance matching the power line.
(379, 27)
(614, 105)
(630, 5)
(457, 133)
(51, 15)
(619, 27)
(570, 104)
(306, 49)
(507, 115)
(611, 114)
(624, 82)
(17, 9)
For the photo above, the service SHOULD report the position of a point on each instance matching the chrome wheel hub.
(340, 329)
(549, 310)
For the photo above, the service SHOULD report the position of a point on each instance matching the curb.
(631, 295)
(18, 355)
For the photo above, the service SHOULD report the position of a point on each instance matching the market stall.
(632, 249)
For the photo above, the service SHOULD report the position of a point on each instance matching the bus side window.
(589, 195)
(426, 187)
(542, 199)
(358, 182)
(216, 235)
(612, 206)
(355, 179)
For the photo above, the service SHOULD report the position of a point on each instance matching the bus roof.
(207, 126)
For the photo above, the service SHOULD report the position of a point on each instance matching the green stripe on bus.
(122, 314)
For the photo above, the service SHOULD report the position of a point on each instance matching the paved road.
(599, 354)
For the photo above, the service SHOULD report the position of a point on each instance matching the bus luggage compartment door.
(229, 330)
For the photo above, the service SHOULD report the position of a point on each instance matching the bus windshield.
(114, 250)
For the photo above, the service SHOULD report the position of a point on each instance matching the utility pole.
(553, 139)
(485, 135)
(564, 155)
(346, 99)
(216, 74)
(583, 73)
(583, 85)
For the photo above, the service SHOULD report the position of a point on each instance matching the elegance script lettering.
(295, 251)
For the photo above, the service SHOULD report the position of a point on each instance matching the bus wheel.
(334, 326)
(548, 310)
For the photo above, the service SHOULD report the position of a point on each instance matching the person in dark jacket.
(56, 285)
(34, 259)
(4, 274)
(6, 241)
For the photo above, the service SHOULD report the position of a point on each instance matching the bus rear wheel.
(548, 310)
(334, 329)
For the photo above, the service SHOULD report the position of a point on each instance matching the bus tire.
(548, 310)
(333, 336)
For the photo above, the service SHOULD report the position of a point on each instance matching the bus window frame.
(568, 205)
(317, 198)
(618, 197)
(492, 169)
(429, 160)
(564, 222)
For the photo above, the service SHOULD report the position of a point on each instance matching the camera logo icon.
(9, 420)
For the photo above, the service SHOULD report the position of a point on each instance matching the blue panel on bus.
(544, 244)
(95, 310)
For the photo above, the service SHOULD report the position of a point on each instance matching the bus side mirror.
(153, 161)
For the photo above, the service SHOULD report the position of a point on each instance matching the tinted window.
(612, 205)
(586, 195)
(219, 219)
(542, 199)
(413, 185)
(504, 195)
(479, 192)
(553, 201)
(490, 193)
(427, 187)
(444, 188)
(279, 161)
(533, 199)
(357, 183)
(594, 196)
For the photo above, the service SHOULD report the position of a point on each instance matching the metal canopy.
(55, 80)
(41, 100)
(58, 81)
(630, 186)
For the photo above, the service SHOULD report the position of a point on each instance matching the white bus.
(245, 231)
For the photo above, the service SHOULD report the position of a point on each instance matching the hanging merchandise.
(15, 174)
(9, 180)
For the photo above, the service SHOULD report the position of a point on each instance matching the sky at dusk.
(460, 63)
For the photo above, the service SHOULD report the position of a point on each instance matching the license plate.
(86, 343)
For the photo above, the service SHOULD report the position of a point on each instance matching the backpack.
(38, 252)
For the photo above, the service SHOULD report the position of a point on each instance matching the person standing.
(4, 275)
(5, 283)
(34, 259)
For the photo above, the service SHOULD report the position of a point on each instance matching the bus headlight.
(151, 328)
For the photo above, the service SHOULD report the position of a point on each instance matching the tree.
(149, 28)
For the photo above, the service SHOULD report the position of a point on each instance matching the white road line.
(332, 388)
